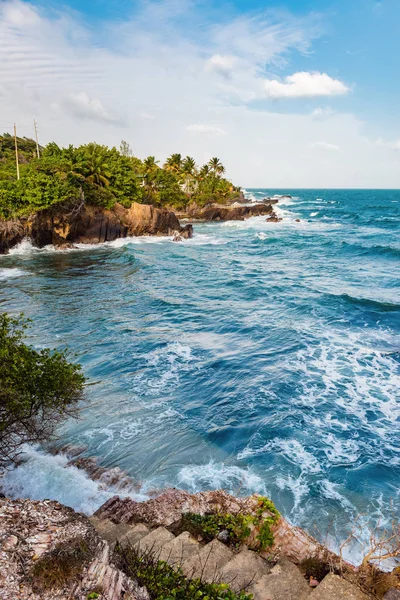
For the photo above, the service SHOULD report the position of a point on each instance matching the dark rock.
(297, 220)
(274, 219)
(234, 213)
(392, 594)
(86, 224)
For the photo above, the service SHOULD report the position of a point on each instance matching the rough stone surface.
(167, 508)
(283, 582)
(180, 549)
(244, 569)
(218, 212)
(86, 224)
(134, 535)
(154, 541)
(30, 529)
(334, 587)
(208, 563)
(392, 595)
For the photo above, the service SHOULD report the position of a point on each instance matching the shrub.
(237, 527)
(38, 389)
(61, 566)
(164, 583)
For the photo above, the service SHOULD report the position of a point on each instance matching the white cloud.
(305, 85)
(394, 145)
(223, 65)
(207, 129)
(83, 106)
(325, 146)
(77, 82)
(322, 113)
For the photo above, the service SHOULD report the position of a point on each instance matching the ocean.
(257, 357)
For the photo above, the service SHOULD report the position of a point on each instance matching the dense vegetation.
(38, 389)
(235, 529)
(102, 176)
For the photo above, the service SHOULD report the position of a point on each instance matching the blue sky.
(317, 79)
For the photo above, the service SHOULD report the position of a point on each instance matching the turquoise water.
(256, 357)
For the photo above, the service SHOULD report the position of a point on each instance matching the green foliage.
(102, 176)
(38, 389)
(238, 527)
(164, 583)
(211, 525)
(62, 566)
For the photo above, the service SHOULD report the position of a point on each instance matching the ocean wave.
(292, 449)
(11, 273)
(214, 476)
(373, 249)
(380, 305)
(44, 476)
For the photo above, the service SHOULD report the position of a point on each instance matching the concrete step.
(180, 549)
(244, 569)
(333, 587)
(109, 531)
(134, 535)
(154, 541)
(208, 563)
(284, 582)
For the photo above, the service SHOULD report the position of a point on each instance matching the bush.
(62, 566)
(237, 527)
(164, 583)
(38, 389)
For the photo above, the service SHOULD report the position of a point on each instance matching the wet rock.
(67, 225)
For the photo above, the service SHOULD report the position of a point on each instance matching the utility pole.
(16, 149)
(36, 136)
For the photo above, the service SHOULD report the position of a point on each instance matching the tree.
(216, 166)
(38, 390)
(174, 163)
(94, 164)
(125, 149)
(150, 163)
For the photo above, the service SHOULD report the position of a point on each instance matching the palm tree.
(204, 171)
(188, 165)
(150, 163)
(216, 166)
(174, 163)
(189, 174)
(94, 165)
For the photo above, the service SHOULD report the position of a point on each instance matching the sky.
(290, 93)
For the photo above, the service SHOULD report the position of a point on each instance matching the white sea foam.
(11, 273)
(292, 449)
(332, 491)
(44, 476)
(297, 486)
(314, 214)
(214, 475)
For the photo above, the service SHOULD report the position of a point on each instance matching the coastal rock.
(166, 510)
(31, 530)
(87, 224)
(218, 212)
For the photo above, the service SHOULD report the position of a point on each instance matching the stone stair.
(215, 562)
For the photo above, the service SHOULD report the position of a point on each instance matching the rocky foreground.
(50, 552)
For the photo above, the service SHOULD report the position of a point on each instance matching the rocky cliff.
(86, 224)
(219, 212)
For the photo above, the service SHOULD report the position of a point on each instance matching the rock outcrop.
(167, 508)
(38, 543)
(87, 224)
(218, 212)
